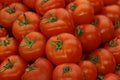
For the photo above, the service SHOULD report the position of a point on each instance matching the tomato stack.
(59, 39)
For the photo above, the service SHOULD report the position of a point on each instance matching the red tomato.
(42, 6)
(112, 11)
(32, 46)
(41, 69)
(68, 72)
(30, 3)
(3, 32)
(89, 36)
(89, 69)
(114, 47)
(111, 76)
(63, 48)
(8, 47)
(109, 2)
(26, 23)
(56, 21)
(104, 61)
(105, 26)
(10, 13)
(7, 2)
(12, 68)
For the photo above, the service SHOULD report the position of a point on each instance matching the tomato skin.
(67, 50)
(104, 61)
(32, 24)
(7, 18)
(3, 32)
(117, 32)
(90, 37)
(104, 24)
(8, 49)
(109, 2)
(7, 2)
(74, 72)
(111, 76)
(30, 3)
(43, 71)
(68, 1)
(61, 24)
(112, 11)
(42, 7)
(31, 53)
(1, 6)
(17, 69)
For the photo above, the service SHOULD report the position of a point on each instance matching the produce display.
(59, 39)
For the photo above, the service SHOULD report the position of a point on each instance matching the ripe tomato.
(12, 68)
(63, 48)
(68, 72)
(112, 11)
(89, 69)
(42, 6)
(114, 47)
(26, 23)
(81, 10)
(30, 3)
(104, 61)
(105, 26)
(111, 76)
(56, 21)
(89, 36)
(109, 2)
(41, 69)
(7, 2)
(8, 47)
(3, 32)
(10, 13)
(32, 46)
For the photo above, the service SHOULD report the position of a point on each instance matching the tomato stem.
(94, 23)
(52, 18)
(100, 77)
(57, 44)
(30, 68)
(80, 31)
(4, 42)
(45, 0)
(117, 24)
(117, 67)
(94, 60)
(66, 69)
(72, 7)
(11, 10)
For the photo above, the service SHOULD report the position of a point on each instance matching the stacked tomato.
(59, 39)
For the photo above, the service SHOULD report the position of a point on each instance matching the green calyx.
(100, 77)
(117, 68)
(94, 23)
(116, 24)
(112, 43)
(94, 60)
(30, 68)
(66, 69)
(57, 44)
(45, 0)
(72, 7)
(4, 42)
(52, 18)
(80, 31)
(11, 10)
(28, 41)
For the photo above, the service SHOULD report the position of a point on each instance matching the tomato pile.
(59, 39)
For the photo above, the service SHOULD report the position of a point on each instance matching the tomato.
(68, 1)
(111, 76)
(41, 69)
(89, 36)
(12, 68)
(68, 72)
(112, 11)
(89, 69)
(32, 46)
(26, 23)
(42, 6)
(55, 22)
(114, 47)
(118, 2)
(105, 26)
(8, 47)
(10, 13)
(104, 61)
(81, 10)
(1, 6)
(98, 5)
(3, 32)
(63, 48)
(7, 2)
(109, 2)
(30, 3)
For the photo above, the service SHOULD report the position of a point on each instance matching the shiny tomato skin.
(63, 48)
(55, 22)
(68, 72)
(104, 61)
(111, 76)
(89, 36)
(42, 70)
(30, 52)
(89, 69)
(8, 48)
(42, 6)
(15, 67)
(30, 3)
(105, 26)
(10, 13)
(20, 28)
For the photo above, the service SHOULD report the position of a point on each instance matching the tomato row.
(59, 39)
